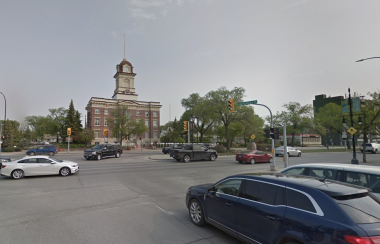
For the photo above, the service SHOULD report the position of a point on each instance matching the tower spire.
(124, 48)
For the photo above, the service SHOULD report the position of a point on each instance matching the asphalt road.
(130, 199)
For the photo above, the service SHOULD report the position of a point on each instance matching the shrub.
(17, 149)
(224, 143)
(220, 149)
(9, 149)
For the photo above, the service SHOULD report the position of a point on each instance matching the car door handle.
(272, 217)
(229, 204)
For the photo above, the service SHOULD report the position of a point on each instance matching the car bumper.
(90, 156)
(74, 169)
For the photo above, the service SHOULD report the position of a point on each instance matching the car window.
(40, 148)
(109, 147)
(362, 208)
(280, 196)
(46, 147)
(295, 171)
(230, 187)
(245, 152)
(374, 183)
(28, 161)
(358, 179)
(299, 200)
(44, 161)
(323, 173)
(259, 192)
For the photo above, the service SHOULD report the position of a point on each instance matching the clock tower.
(125, 82)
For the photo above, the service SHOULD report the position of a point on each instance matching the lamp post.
(5, 118)
(85, 132)
(354, 160)
(57, 137)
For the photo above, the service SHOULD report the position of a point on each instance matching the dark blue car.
(279, 209)
(43, 150)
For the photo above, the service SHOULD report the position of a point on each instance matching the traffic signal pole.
(188, 132)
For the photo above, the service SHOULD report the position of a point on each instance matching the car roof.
(40, 156)
(351, 167)
(329, 187)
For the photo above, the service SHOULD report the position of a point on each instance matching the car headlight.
(94, 153)
(74, 165)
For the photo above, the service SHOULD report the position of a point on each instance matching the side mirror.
(212, 189)
(52, 162)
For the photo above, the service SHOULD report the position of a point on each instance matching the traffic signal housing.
(231, 105)
(105, 132)
(274, 133)
(68, 131)
(184, 125)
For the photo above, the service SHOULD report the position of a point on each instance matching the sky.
(280, 51)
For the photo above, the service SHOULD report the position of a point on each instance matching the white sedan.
(291, 151)
(38, 165)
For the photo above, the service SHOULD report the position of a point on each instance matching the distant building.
(303, 139)
(98, 109)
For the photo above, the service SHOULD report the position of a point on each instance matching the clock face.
(126, 69)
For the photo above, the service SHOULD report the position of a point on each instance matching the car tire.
(253, 161)
(212, 157)
(32, 154)
(64, 171)
(376, 151)
(51, 153)
(186, 158)
(99, 156)
(196, 213)
(299, 155)
(240, 162)
(288, 155)
(117, 155)
(88, 158)
(178, 159)
(270, 160)
(361, 151)
(17, 174)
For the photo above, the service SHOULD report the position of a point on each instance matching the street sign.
(352, 130)
(246, 103)
(253, 136)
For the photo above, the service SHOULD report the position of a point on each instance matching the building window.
(154, 114)
(146, 114)
(154, 134)
(114, 121)
(147, 123)
(106, 121)
(96, 133)
(97, 121)
(97, 111)
(106, 111)
(146, 134)
(137, 113)
(154, 123)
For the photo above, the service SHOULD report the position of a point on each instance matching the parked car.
(194, 152)
(38, 165)
(249, 156)
(43, 150)
(167, 150)
(361, 175)
(371, 147)
(286, 209)
(291, 151)
(4, 159)
(102, 150)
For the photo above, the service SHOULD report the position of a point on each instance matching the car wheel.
(186, 158)
(51, 153)
(212, 157)
(376, 151)
(299, 155)
(253, 161)
(117, 154)
(178, 159)
(270, 160)
(64, 171)
(17, 174)
(288, 155)
(99, 156)
(276, 155)
(32, 154)
(240, 162)
(88, 158)
(196, 213)
(361, 151)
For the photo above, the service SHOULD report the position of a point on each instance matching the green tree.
(252, 124)
(12, 133)
(58, 115)
(73, 120)
(296, 118)
(123, 126)
(217, 102)
(39, 125)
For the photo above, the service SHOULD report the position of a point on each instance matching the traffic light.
(231, 106)
(140, 138)
(184, 125)
(68, 131)
(274, 133)
(105, 132)
(3, 137)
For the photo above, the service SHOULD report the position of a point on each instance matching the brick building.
(98, 109)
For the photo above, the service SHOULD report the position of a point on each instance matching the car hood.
(203, 187)
(91, 150)
(67, 162)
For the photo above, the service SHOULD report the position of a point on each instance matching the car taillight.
(3, 166)
(177, 153)
(373, 148)
(362, 240)
(282, 150)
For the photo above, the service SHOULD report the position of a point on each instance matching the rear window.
(245, 152)
(368, 145)
(362, 208)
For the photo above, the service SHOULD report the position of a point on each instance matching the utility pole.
(354, 160)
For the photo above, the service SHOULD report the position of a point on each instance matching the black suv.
(167, 150)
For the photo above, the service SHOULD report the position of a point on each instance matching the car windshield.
(55, 160)
(100, 146)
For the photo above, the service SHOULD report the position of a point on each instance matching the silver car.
(291, 151)
(38, 165)
(360, 175)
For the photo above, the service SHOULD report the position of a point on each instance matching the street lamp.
(5, 117)
(354, 160)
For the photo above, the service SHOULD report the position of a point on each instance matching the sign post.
(68, 144)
